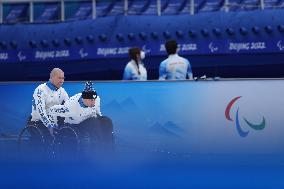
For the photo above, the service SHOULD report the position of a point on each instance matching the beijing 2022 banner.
(152, 49)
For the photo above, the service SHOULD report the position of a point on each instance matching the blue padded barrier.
(218, 44)
(182, 117)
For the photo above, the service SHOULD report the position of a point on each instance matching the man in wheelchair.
(46, 95)
(82, 113)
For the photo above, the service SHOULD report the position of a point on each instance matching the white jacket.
(74, 110)
(45, 96)
(131, 71)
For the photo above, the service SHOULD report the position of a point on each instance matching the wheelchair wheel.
(31, 141)
(66, 141)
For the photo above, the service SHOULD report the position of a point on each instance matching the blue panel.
(180, 117)
(104, 7)
(173, 7)
(235, 5)
(271, 4)
(117, 9)
(78, 10)
(137, 7)
(84, 11)
(169, 135)
(251, 5)
(151, 9)
(16, 13)
(49, 12)
(280, 3)
(244, 5)
(210, 6)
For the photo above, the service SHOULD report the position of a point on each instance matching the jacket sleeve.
(40, 106)
(127, 74)
(98, 106)
(162, 71)
(189, 72)
(65, 95)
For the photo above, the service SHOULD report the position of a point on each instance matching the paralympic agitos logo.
(239, 128)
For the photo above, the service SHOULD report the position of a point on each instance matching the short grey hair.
(55, 71)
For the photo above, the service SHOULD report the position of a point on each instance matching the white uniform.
(131, 71)
(175, 67)
(74, 110)
(45, 96)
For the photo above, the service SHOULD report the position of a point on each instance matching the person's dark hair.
(171, 47)
(133, 52)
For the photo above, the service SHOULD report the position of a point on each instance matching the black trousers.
(99, 129)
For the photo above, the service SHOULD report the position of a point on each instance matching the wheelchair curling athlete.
(82, 112)
(46, 95)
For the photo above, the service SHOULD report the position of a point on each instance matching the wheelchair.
(66, 141)
(33, 140)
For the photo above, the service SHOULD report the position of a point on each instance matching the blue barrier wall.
(215, 117)
(204, 134)
(217, 44)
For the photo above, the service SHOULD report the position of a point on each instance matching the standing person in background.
(46, 95)
(135, 69)
(174, 67)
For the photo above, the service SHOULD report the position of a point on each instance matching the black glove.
(60, 120)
